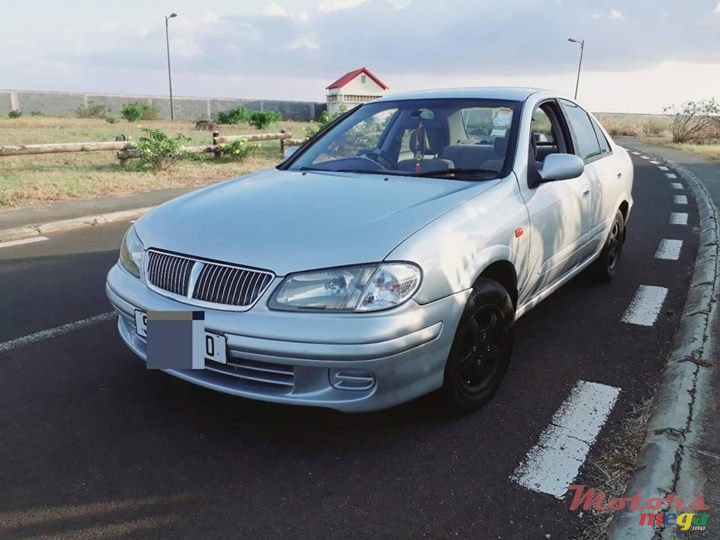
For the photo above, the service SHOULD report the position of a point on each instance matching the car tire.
(605, 266)
(480, 353)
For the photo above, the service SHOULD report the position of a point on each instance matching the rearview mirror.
(561, 167)
(289, 151)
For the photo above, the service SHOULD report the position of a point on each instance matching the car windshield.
(463, 139)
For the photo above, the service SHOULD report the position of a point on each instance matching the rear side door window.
(586, 140)
(604, 145)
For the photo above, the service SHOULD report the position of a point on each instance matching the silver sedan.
(388, 257)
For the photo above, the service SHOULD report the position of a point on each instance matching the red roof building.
(355, 87)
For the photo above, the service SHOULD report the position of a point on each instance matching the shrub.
(653, 128)
(158, 150)
(315, 127)
(37, 113)
(15, 114)
(233, 116)
(92, 110)
(261, 120)
(236, 150)
(111, 119)
(694, 120)
(134, 111)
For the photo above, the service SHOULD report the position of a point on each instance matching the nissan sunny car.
(389, 256)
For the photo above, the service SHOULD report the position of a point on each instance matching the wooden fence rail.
(128, 149)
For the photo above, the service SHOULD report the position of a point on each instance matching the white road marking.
(23, 241)
(678, 218)
(676, 185)
(54, 332)
(644, 157)
(654, 162)
(645, 305)
(671, 175)
(680, 199)
(663, 168)
(636, 153)
(552, 465)
(669, 250)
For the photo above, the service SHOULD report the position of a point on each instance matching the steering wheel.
(378, 156)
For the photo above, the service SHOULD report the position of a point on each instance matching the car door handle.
(586, 194)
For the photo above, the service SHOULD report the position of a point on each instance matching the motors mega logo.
(674, 513)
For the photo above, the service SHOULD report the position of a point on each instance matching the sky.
(640, 55)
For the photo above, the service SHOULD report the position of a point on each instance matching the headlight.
(353, 288)
(131, 252)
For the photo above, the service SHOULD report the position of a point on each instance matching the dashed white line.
(552, 465)
(680, 199)
(644, 157)
(676, 185)
(671, 175)
(636, 153)
(654, 162)
(678, 218)
(662, 168)
(669, 250)
(645, 305)
(54, 332)
(23, 241)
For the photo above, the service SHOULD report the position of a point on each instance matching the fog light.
(351, 379)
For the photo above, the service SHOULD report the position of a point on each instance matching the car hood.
(288, 221)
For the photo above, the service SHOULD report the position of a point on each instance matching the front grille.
(207, 282)
(277, 376)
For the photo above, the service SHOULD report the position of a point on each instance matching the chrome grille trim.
(277, 375)
(205, 283)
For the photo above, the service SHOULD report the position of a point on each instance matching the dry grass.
(707, 151)
(29, 179)
(636, 125)
(611, 471)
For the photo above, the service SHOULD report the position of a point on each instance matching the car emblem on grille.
(194, 275)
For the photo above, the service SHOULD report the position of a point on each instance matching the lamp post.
(582, 48)
(167, 42)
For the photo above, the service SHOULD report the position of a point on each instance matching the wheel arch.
(502, 271)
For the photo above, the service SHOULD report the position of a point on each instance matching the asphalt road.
(91, 443)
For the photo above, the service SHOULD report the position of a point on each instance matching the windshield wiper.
(456, 172)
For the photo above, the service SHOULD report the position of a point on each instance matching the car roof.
(498, 92)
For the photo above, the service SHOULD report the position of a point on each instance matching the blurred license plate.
(215, 346)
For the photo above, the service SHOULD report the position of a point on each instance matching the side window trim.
(563, 107)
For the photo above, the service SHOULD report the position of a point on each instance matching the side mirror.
(289, 151)
(561, 167)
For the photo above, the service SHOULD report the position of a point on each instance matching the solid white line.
(671, 175)
(669, 250)
(23, 241)
(552, 465)
(676, 185)
(645, 305)
(663, 168)
(54, 332)
(678, 218)
(680, 199)
(654, 162)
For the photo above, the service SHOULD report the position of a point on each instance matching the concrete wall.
(186, 108)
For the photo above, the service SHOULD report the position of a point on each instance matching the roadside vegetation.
(37, 178)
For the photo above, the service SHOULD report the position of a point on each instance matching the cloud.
(615, 14)
(274, 10)
(717, 9)
(328, 6)
(306, 42)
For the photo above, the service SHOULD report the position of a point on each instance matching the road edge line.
(675, 404)
(28, 231)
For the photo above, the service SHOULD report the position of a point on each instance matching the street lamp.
(167, 41)
(582, 48)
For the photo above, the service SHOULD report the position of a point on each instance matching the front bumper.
(348, 362)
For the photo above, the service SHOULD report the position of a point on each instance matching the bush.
(111, 119)
(159, 151)
(653, 128)
(261, 120)
(233, 116)
(37, 113)
(236, 150)
(92, 110)
(15, 114)
(134, 111)
(315, 127)
(695, 120)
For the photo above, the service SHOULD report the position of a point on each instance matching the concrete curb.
(28, 231)
(676, 402)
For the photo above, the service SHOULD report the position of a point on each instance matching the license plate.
(215, 346)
